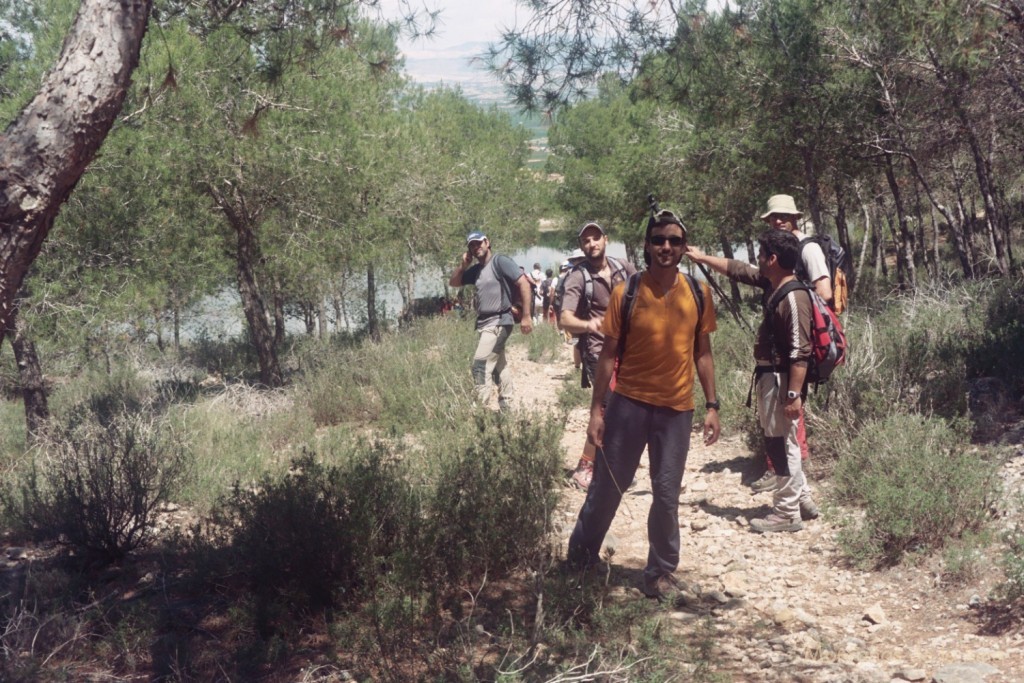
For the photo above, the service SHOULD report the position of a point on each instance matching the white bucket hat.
(781, 203)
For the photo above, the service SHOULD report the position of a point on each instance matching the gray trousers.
(631, 425)
(489, 363)
(781, 443)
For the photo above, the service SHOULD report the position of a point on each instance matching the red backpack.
(828, 340)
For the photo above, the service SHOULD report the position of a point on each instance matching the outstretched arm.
(718, 264)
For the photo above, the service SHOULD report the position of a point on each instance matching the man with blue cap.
(497, 278)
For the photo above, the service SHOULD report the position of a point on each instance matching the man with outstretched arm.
(782, 214)
(582, 315)
(651, 405)
(782, 350)
(494, 276)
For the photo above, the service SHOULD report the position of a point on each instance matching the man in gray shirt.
(495, 276)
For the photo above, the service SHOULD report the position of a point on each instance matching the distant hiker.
(547, 286)
(556, 291)
(495, 277)
(652, 403)
(782, 351)
(536, 282)
(586, 291)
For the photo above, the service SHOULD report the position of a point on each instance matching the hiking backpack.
(828, 340)
(583, 312)
(510, 293)
(837, 262)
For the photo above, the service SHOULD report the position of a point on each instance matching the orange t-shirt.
(658, 364)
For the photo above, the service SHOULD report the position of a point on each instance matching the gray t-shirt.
(493, 306)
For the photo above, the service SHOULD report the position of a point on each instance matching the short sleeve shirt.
(657, 366)
(574, 285)
(493, 307)
(813, 258)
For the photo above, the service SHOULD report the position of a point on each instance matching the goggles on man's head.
(666, 217)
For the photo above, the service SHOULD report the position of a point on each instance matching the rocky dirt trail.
(786, 607)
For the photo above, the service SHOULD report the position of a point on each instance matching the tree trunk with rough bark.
(734, 288)
(372, 323)
(30, 375)
(47, 148)
(843, 235)
(955, 226)
(813, 191)
(246, 257)
(905, 272)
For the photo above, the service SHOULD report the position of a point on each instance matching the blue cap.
(475, 237)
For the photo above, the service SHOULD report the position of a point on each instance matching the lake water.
(221, 316)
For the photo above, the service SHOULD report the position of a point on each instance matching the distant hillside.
(456, 65)
(460, 65)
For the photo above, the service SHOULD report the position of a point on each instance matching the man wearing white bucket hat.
(782, 214)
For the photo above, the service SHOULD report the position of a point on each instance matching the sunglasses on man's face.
(674, 240)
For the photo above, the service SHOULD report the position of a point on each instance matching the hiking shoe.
(769, 482)
(774, 522)
(583, 475)
(808, 510)
(665, 587)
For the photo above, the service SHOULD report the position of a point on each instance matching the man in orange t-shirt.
(652, 404)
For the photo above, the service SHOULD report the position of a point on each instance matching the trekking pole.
(652, 203)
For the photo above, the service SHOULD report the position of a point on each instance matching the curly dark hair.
(783, 244)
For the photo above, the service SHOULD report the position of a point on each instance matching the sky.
(461, 21)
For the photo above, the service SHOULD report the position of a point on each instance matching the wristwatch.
(713, 405)
(791, 395)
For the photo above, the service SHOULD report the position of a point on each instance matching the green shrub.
(571, 394)
(733, 347)
(919, 483)
(906, 357)
(963, 559)
(492, 505)
(1012, 588)
(316, 535)
(543, 344)
(413, 380)
(98, 488)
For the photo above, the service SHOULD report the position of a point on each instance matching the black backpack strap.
(632, 285)
(587, 298)
(782, 292)
(617, 267)
(698, 297)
